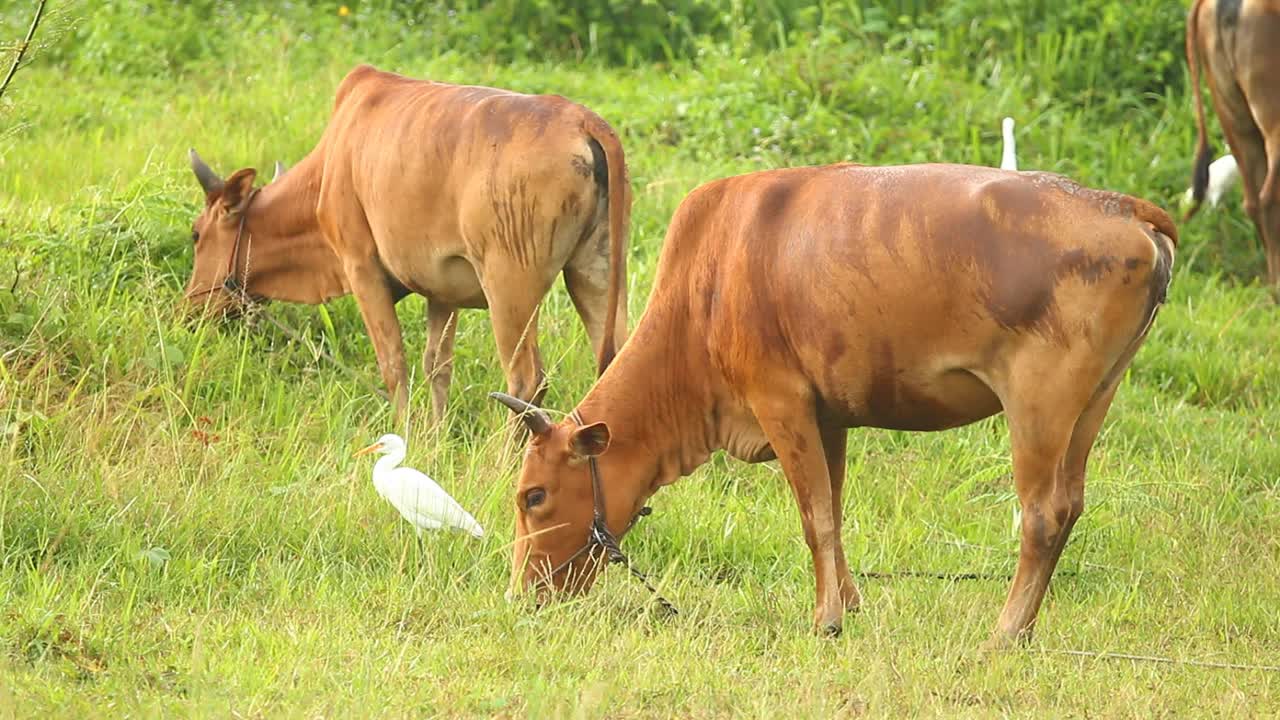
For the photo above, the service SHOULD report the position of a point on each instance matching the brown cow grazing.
(470, 196)
(1240, 43)
(790, 305)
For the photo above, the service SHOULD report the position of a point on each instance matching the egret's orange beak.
(372, 448)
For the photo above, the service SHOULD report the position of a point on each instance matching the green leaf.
(157, 556)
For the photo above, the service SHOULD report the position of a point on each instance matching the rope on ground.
(1062, 651)
(1158, 659)
(930, 575)
(870, 575)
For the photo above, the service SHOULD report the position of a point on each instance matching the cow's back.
(896, 291)
(431, 165)
(392, 129)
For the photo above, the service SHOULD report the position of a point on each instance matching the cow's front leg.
(371, 286)
(834, 443)
(793, 432)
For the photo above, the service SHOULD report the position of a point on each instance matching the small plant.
(19, 51)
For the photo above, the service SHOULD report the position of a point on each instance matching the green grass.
(145, 573)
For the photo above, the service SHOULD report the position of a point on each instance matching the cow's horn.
(280, 168)
(533, 417)
(209, 179)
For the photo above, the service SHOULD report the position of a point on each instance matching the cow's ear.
(589, 440)
(236, 192)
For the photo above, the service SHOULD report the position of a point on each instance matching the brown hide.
(472, 197)
(790, 305)
(1239, 44)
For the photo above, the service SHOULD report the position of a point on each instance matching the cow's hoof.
(994, 644)
(849, 595)
(1001, 641)
(829, 629)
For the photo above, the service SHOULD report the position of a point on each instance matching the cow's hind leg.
(834, 443)
(1250, 150)
(1076, 461)
(797, 442)
(437, 358)
(1249, 147)
(1259, 73)
(1017, 621)
(1043, 423)
(1268, 213)
(586, 277)
(514, 294)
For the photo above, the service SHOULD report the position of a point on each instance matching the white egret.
(1009, 159)
(1223, 173)
(418, 498)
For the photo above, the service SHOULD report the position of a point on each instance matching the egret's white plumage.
(1009, 159)
(418, 498)
(1223, 173)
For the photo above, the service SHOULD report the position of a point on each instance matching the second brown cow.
(473, 197)
(790, 305)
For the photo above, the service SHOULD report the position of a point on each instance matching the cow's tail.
(1204, 152)
(1164, 239)
(1159, 219)
(619, 199)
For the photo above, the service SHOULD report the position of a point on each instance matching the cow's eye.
(534, 497)
(195, 236)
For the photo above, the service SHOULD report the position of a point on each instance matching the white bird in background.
(418, 498)
(1223, 173)
(1009, 160)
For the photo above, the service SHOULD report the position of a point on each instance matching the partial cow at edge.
(1239, 42)
(472, 197)
(792, 304)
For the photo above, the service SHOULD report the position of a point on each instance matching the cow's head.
(214, 236)
(555, 503)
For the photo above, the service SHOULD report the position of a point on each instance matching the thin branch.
(22, 49)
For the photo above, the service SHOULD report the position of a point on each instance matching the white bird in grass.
(1009, 159)
(1223, 173)
(418, 498)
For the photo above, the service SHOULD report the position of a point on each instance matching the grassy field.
(183, 531)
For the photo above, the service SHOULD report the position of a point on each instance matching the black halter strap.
(599, 536)
(231, 284)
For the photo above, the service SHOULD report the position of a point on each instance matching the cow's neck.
(658, 402)
(285, 254)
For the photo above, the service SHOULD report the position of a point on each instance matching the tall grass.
(182, 530)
